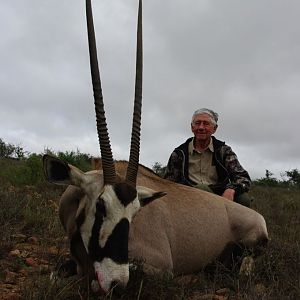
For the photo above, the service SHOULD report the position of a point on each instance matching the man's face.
(203, 127)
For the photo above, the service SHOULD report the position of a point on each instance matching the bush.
(293, 177)
(27, 172)
(29, 206)
(29, 169)
(292, 181)
(77, 159)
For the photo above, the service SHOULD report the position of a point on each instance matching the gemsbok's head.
(99, 226)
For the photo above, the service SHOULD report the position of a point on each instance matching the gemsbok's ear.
(59, 172)
(147, 195)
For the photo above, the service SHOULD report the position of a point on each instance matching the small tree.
(293, 177)
(6, 150)
(159, 169)
(269, 174)
(11, 151)
(268, 180)
(19, 152)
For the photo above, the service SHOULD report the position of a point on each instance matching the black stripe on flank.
(125, 192)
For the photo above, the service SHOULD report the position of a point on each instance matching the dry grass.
(31, 211)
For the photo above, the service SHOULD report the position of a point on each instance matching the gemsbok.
(181, 232)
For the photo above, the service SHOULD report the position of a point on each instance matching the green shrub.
(29, 206)
(28, 171)
(77, 159)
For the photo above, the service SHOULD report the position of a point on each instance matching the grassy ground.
(32, 243)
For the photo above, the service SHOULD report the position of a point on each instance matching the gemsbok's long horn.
(133, 164)
(109, 172)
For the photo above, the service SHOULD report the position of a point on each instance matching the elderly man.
(207, 163)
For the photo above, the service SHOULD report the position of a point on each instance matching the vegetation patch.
(33, 243)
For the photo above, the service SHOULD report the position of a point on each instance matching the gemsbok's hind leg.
(255, 244)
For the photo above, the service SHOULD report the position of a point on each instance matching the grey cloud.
(238, 58)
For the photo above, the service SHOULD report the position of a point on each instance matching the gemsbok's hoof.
(247, 266)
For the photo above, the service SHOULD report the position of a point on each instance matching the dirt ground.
(25, 256)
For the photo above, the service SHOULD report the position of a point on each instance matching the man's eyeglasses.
(204, 123)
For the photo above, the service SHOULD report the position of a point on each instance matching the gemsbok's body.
(181, 232)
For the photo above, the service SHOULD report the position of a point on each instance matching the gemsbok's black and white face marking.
(105, 230)
(101, 221)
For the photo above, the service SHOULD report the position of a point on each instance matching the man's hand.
(229, 194)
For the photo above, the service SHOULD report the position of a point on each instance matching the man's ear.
(59, 172)
(147, 195)
(216, 127)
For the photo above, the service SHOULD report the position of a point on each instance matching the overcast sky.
(239, 58)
